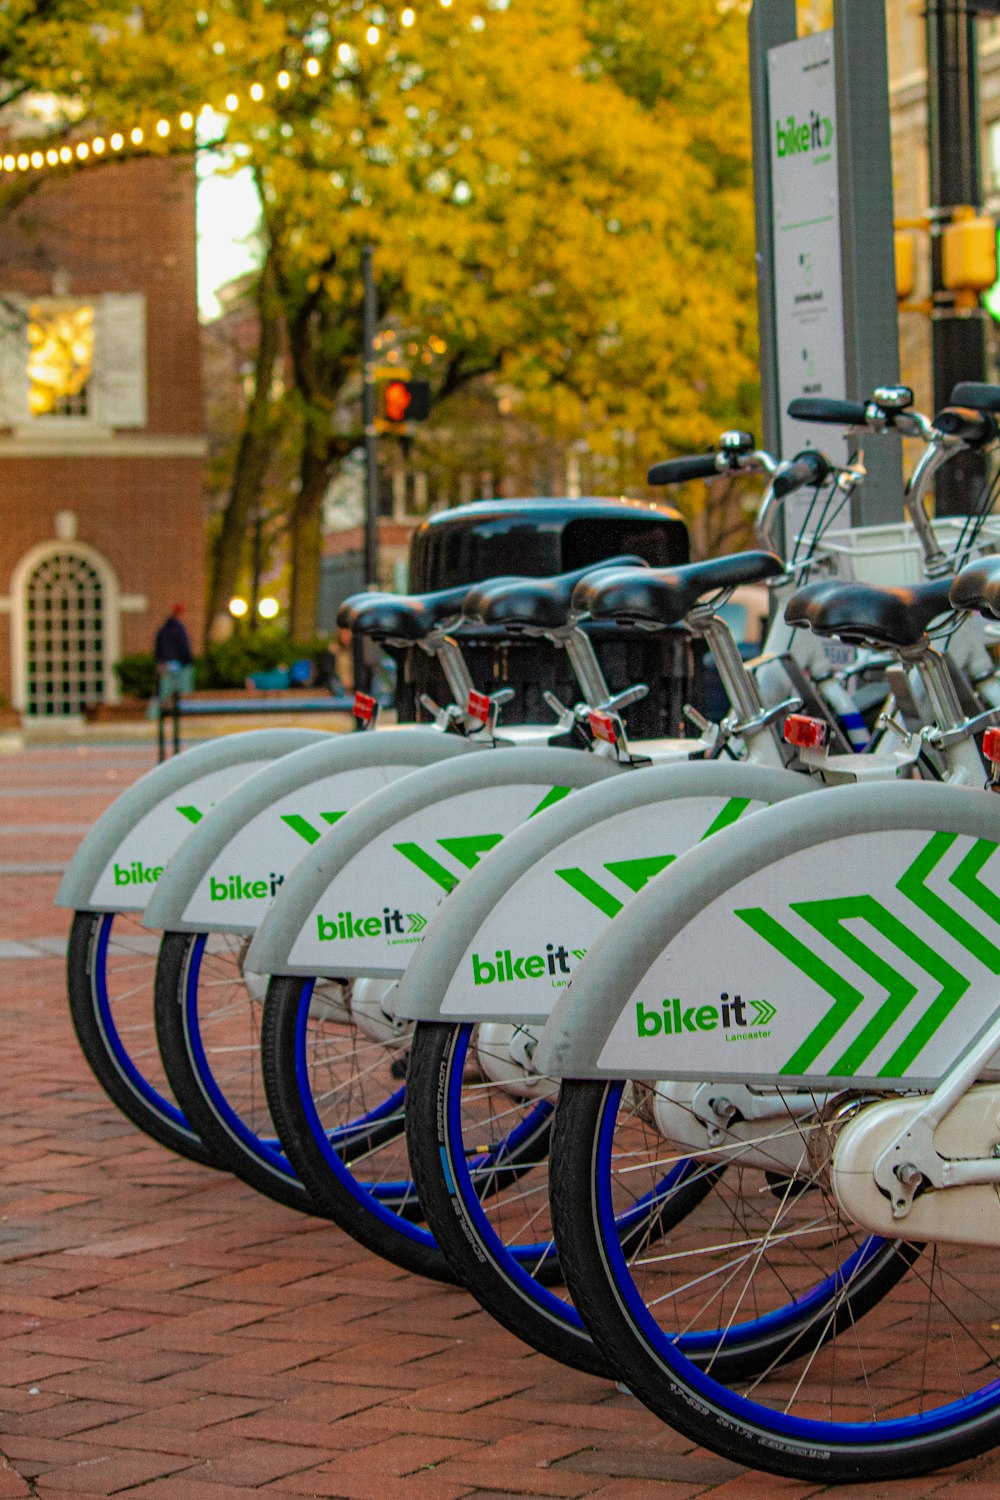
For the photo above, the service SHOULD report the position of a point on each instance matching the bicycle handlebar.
(680, 470)
(806, 469)
(825, 409)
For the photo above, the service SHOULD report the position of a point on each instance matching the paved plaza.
(168, 1333)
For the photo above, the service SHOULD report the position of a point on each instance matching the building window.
(66, 362)
(65, 627)
(60, 358)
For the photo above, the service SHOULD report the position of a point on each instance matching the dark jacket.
(172, 643)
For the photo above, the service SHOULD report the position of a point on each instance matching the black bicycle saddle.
(401, 617)
(663, 596)
(862, 613)
(534, 604)
(977, 586)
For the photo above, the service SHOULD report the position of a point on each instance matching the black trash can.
(536, 538)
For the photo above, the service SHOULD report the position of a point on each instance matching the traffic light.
(405, 401)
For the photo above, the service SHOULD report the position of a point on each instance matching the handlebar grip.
(827, 409)
(975, 428)
(807, 468)
(679, 470)
(977, 394)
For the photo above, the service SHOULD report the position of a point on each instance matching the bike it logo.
(729, 1016)
(136, 873)
(795, 139)
(504, 968)
(347, 925)
(239, 888)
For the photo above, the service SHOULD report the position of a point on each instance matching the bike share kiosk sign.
(825, 258)
(805, 207)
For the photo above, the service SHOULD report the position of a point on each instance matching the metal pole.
(864, 165)
(772, 22)
(258, 524)
(959, 342)
(368, 418)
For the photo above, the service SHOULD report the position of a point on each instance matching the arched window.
(65, 627)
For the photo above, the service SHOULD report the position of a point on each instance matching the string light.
(82, 151)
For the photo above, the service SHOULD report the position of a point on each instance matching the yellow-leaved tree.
(558, 190)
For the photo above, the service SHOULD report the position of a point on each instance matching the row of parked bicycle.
(692, 1080)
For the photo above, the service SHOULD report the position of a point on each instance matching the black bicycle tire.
(173, 1037)
(689, 1409)
(90, 1033)
(430, 1149)
(333, 1199)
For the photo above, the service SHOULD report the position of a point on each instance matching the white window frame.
(22, 572)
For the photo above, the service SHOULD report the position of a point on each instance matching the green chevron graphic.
(580, 953)
(829, 919)
(550, 799)
(417, 922)
(305, 829)
(730, 813)
(765, 1012)
(191, 813)
(913, 887)
(635, 873)
(468, 850)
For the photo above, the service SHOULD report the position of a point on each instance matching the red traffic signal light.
(406, 401)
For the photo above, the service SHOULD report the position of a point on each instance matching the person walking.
(174, 658)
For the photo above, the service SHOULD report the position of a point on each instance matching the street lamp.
(238, 607)
(268, 607)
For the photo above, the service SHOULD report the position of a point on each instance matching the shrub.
(229, 663)
(136, 675)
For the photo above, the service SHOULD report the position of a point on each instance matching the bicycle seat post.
(444, 648)
(951, 731)
(586, 668)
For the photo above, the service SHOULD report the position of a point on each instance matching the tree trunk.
(305, 536)
(253, 455)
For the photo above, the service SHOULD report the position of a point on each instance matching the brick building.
(102, 446)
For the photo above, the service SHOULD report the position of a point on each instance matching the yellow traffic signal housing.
(905, 265)
(969, 252)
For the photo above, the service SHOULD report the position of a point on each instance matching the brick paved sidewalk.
(168, 1333)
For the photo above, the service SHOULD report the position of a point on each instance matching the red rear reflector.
(364, 707)
(602, 727)
(805, 733)
(478, 707)
(991, 745)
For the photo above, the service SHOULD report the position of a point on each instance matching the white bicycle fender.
(120, 860)
(225, 875)
(852, 938)
(506, 943)
(360, 899)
